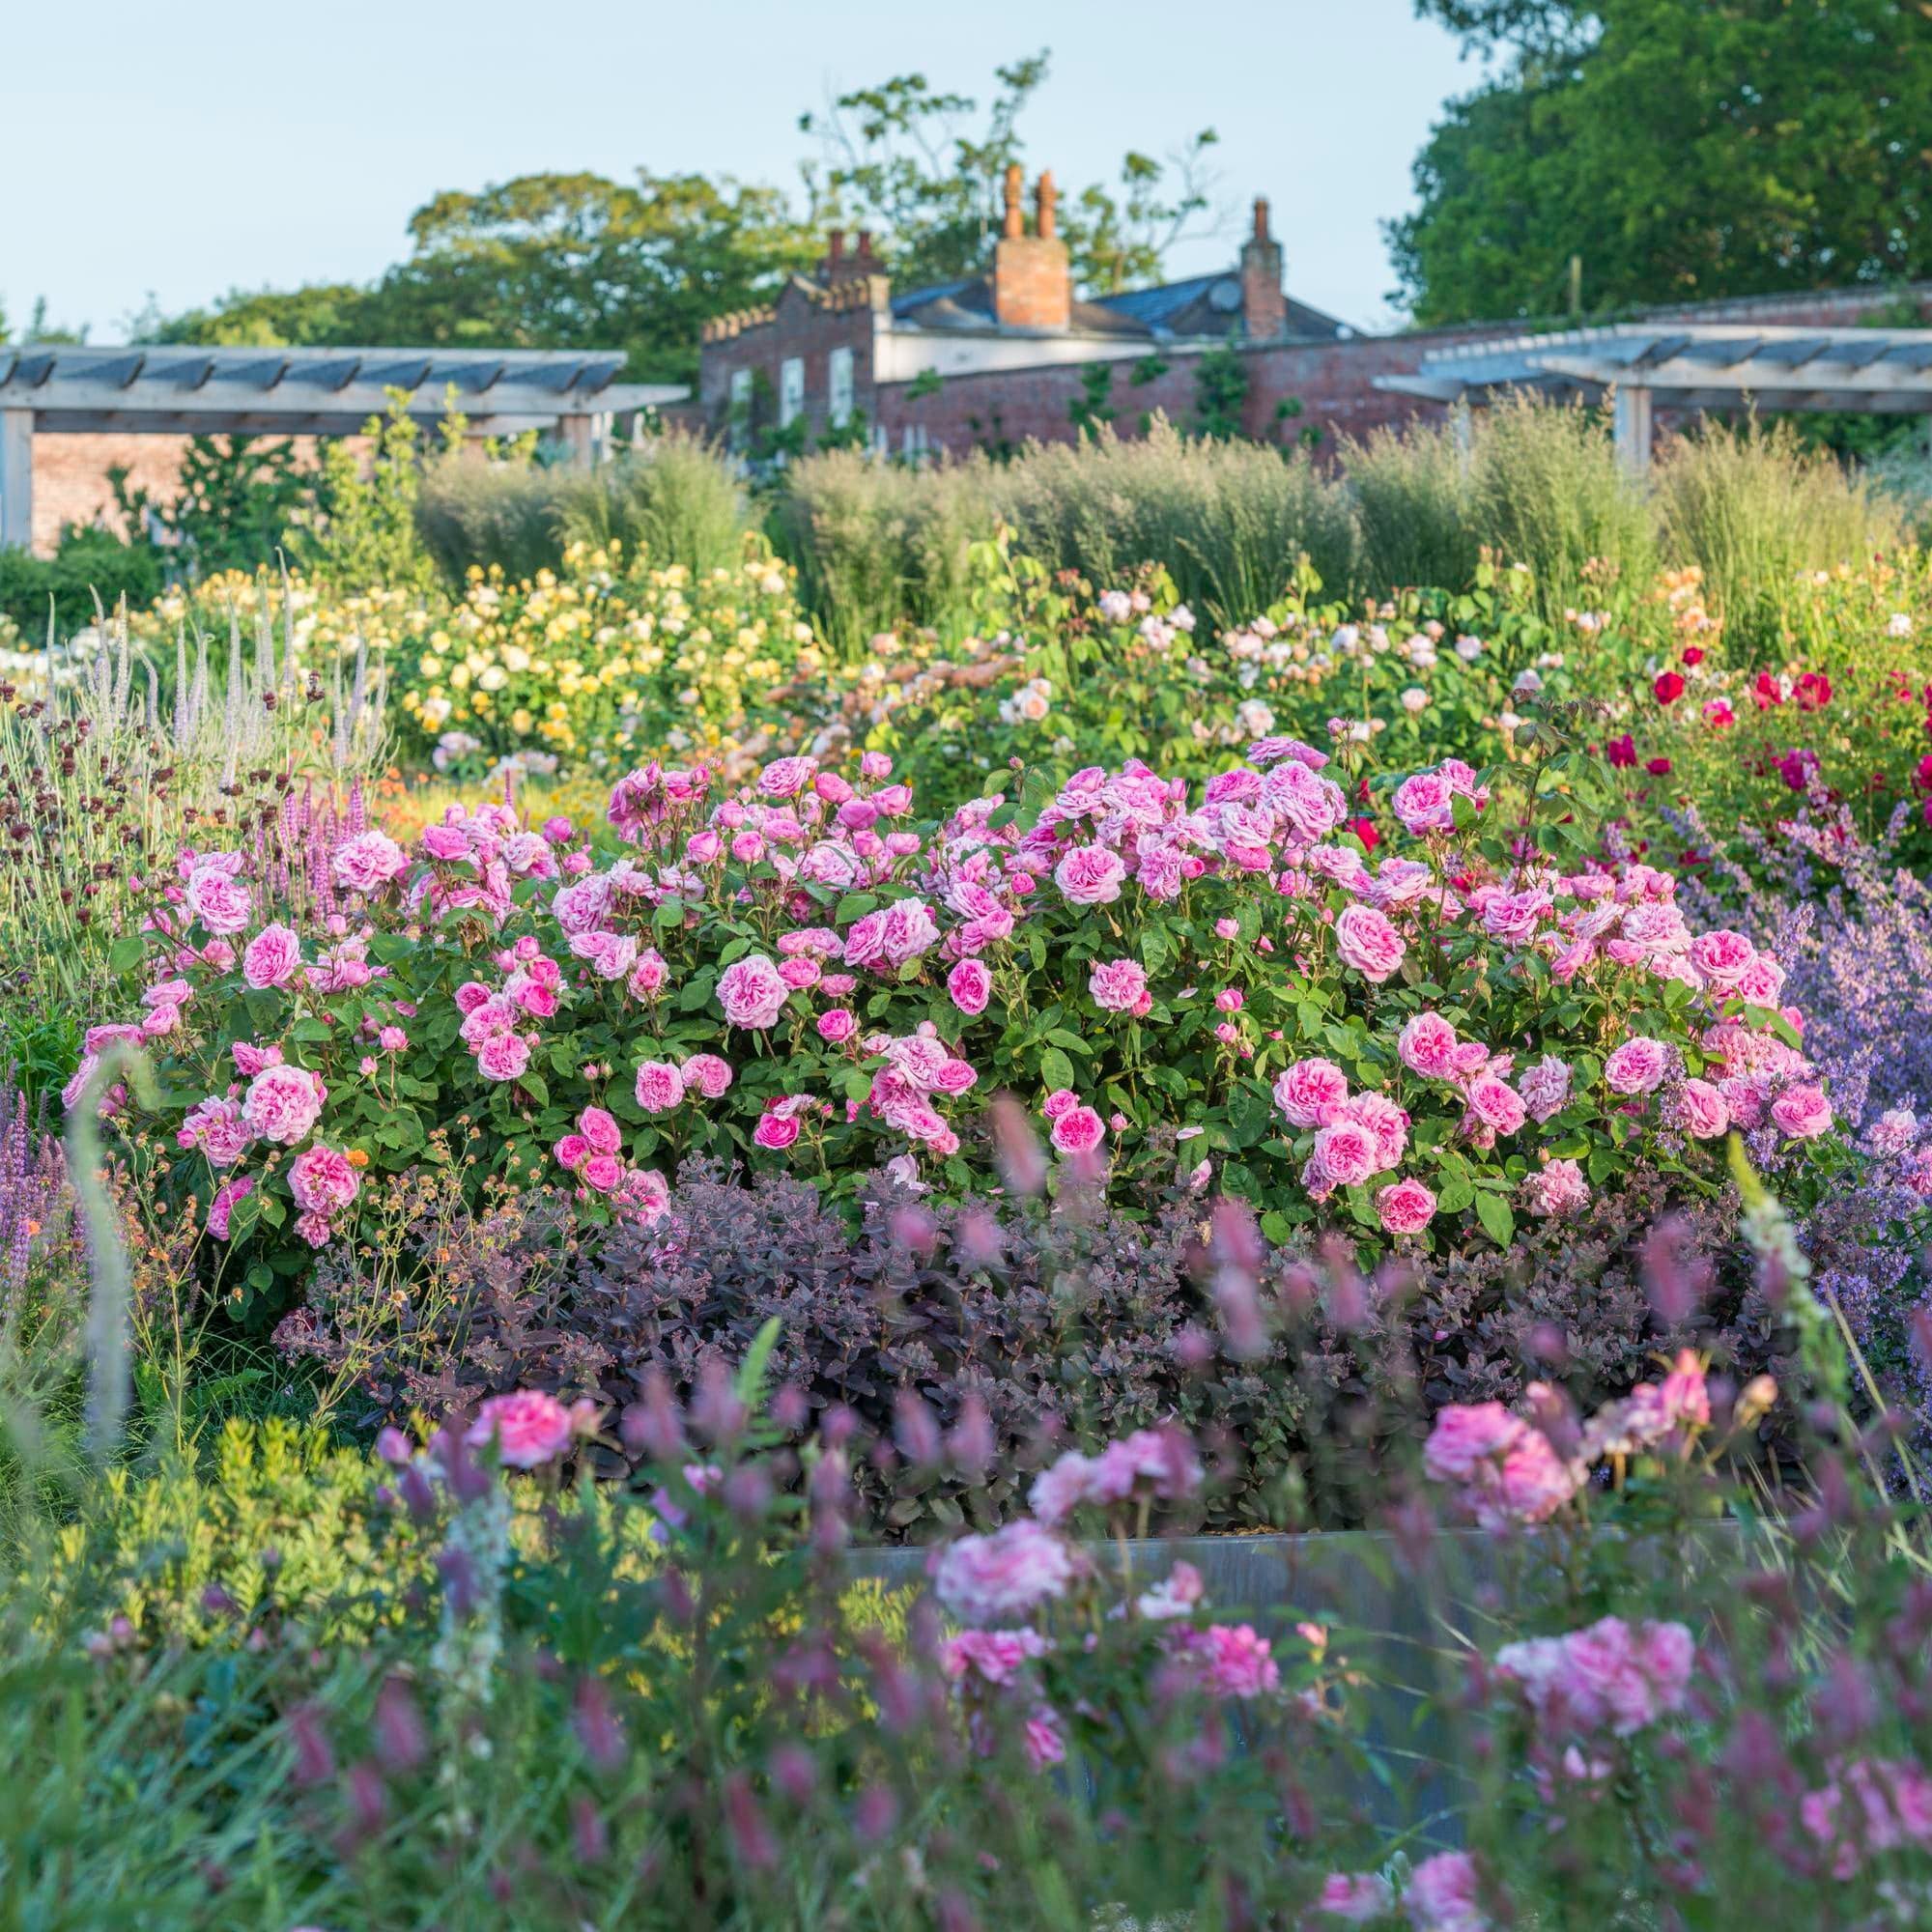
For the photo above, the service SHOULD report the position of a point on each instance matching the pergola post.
(16, 479)
(1632, 425)
(1463, 432)
(578, 433)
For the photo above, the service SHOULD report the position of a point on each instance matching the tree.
(549, 262)
(1682, 149)
(905, 159)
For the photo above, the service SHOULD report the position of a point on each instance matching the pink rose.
(1723, 957)
(1802, 1113)
(1090, 876)
(837, 1025)
(573, 1151)
(774, 1131)
(216, 898)
(1555, 1190)
(600, 1131)
(1443, 1894)
(322, 1179)
(1426, 1045)
(1425, 803)
(602, 1172)
(283, 1103)
(1466, 1436)
(1062, 1100)
(1005, 1577)
(708, 1074)
(1367, 941)
(1495, 1104)
(751, 993)
(784, 778)
(1117, 985)
(1701, 1110)
(1545, 1088)
(1345, 1155)
(270, 958)
(1405, 1207)
(1078, 1130)
(223, 1207)
(970, 986)
(366, 863)
(1310, 1092)
(528, 1428)
(216, 1128)
(660, 1086)
(908, 930)
(1637, 1066)
(503, 1056)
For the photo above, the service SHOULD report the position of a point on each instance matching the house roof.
(968, 305)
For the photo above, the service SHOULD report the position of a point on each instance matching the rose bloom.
(215, 1126)
(1556, 1190)
(503, 1056)
(1405, 1207)
(970, 986)
(1723, 957)
(528, 1428)
(368, 861)
(837, 1025)
(1117, 985)
(1802, 1113)
(1310, 1092)
(1426, 1045)
(1385, 1121)
(775, 1131)
(283, 1103)
(750, 993)
(1424, 803)
(1345, 1155)
(1233, 1660)
(1637, 1066)
(602, 1172)
(708, 1074)
(1090, 876)
(1355, 1898)
(1464, 1436)
(1078, 1130)
(600, 1131)
(216, 898)
(322, 1179)
(660, 1086)
(270, 958)
(1495, 1104)
(1545, 1088)
(1701, 1110)
(994, 1579)
(784, 778)
(1369, 943)
(1443, 1895)
(995, 1657)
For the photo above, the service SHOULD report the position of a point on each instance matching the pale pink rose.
(1078, 1130)
(1495, 1104)
(250, 1060)
(837, 1025)
(1090, 876)
(994, 1656)
(1637, 1066)
(1701, 1110)
(1385, 1121)
(1426, 1045)
(221, 1208)
(1405, 1206)
(1466, 1436)
(1722, 957)
(503, 1056)
(322, 1179)
(1233, 1660)
(799, 971)
(708, 1074)
(648, 976)
(784, 778)
(1310, 1092)
(314, 1229)
(216, 1128)
(283, 1103)
(1762, 982)
(1802, 1113)
(909, 931)
(1366, 940)
(366, 863)
(970, 986)
(1045, 1742)
(750, 993)
(1425, 803)
(600, 1131)
(1545, 1088)
(1556, 1189)
(997, 1579)
(272, 958)
(660, 1086)
(216, 898)
(1443, 1895)
(1117, 985)
(1062, 1100)
(528, 1428)
(1355, 1898)
(955, 1077)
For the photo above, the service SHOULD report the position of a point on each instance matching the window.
(791, 391)
(838, 382)
(738, 418)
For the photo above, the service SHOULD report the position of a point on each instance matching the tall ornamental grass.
(1756, 510)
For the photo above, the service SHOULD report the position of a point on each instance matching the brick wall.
(800, 327)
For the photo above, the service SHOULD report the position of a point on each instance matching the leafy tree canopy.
(1682, 149)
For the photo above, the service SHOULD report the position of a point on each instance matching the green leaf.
(1499, 1222)
(751, 1383)
(126, 953)
(1055, 1068)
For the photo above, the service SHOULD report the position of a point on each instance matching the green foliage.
(235, 498)
(89, 563)
(549, 261)
(1683, 150)
(1220, 389)
(1093, 409)
(361, 529)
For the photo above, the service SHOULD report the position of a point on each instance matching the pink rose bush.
(1421, 1043)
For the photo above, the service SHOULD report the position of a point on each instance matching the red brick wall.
(799, 328)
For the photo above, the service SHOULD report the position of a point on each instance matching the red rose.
(1669, 688)
(1815, 691)
(1621, 752)
(1658, 768)
(1693, 654)
(1364, 829)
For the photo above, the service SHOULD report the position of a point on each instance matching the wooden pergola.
(1644, 367)
(55, 390)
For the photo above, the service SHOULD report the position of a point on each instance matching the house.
(839, 347)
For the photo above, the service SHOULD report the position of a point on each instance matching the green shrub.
(484, 513)
(677, 499)
(89, 564)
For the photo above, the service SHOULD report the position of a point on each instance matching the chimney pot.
(1262, 219)
(1045, 203)
(1015, 222)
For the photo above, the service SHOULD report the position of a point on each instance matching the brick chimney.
(831, 263)
(839, 264)
(1033, 284)
(1263, 306)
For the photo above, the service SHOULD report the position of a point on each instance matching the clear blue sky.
(187, 149)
